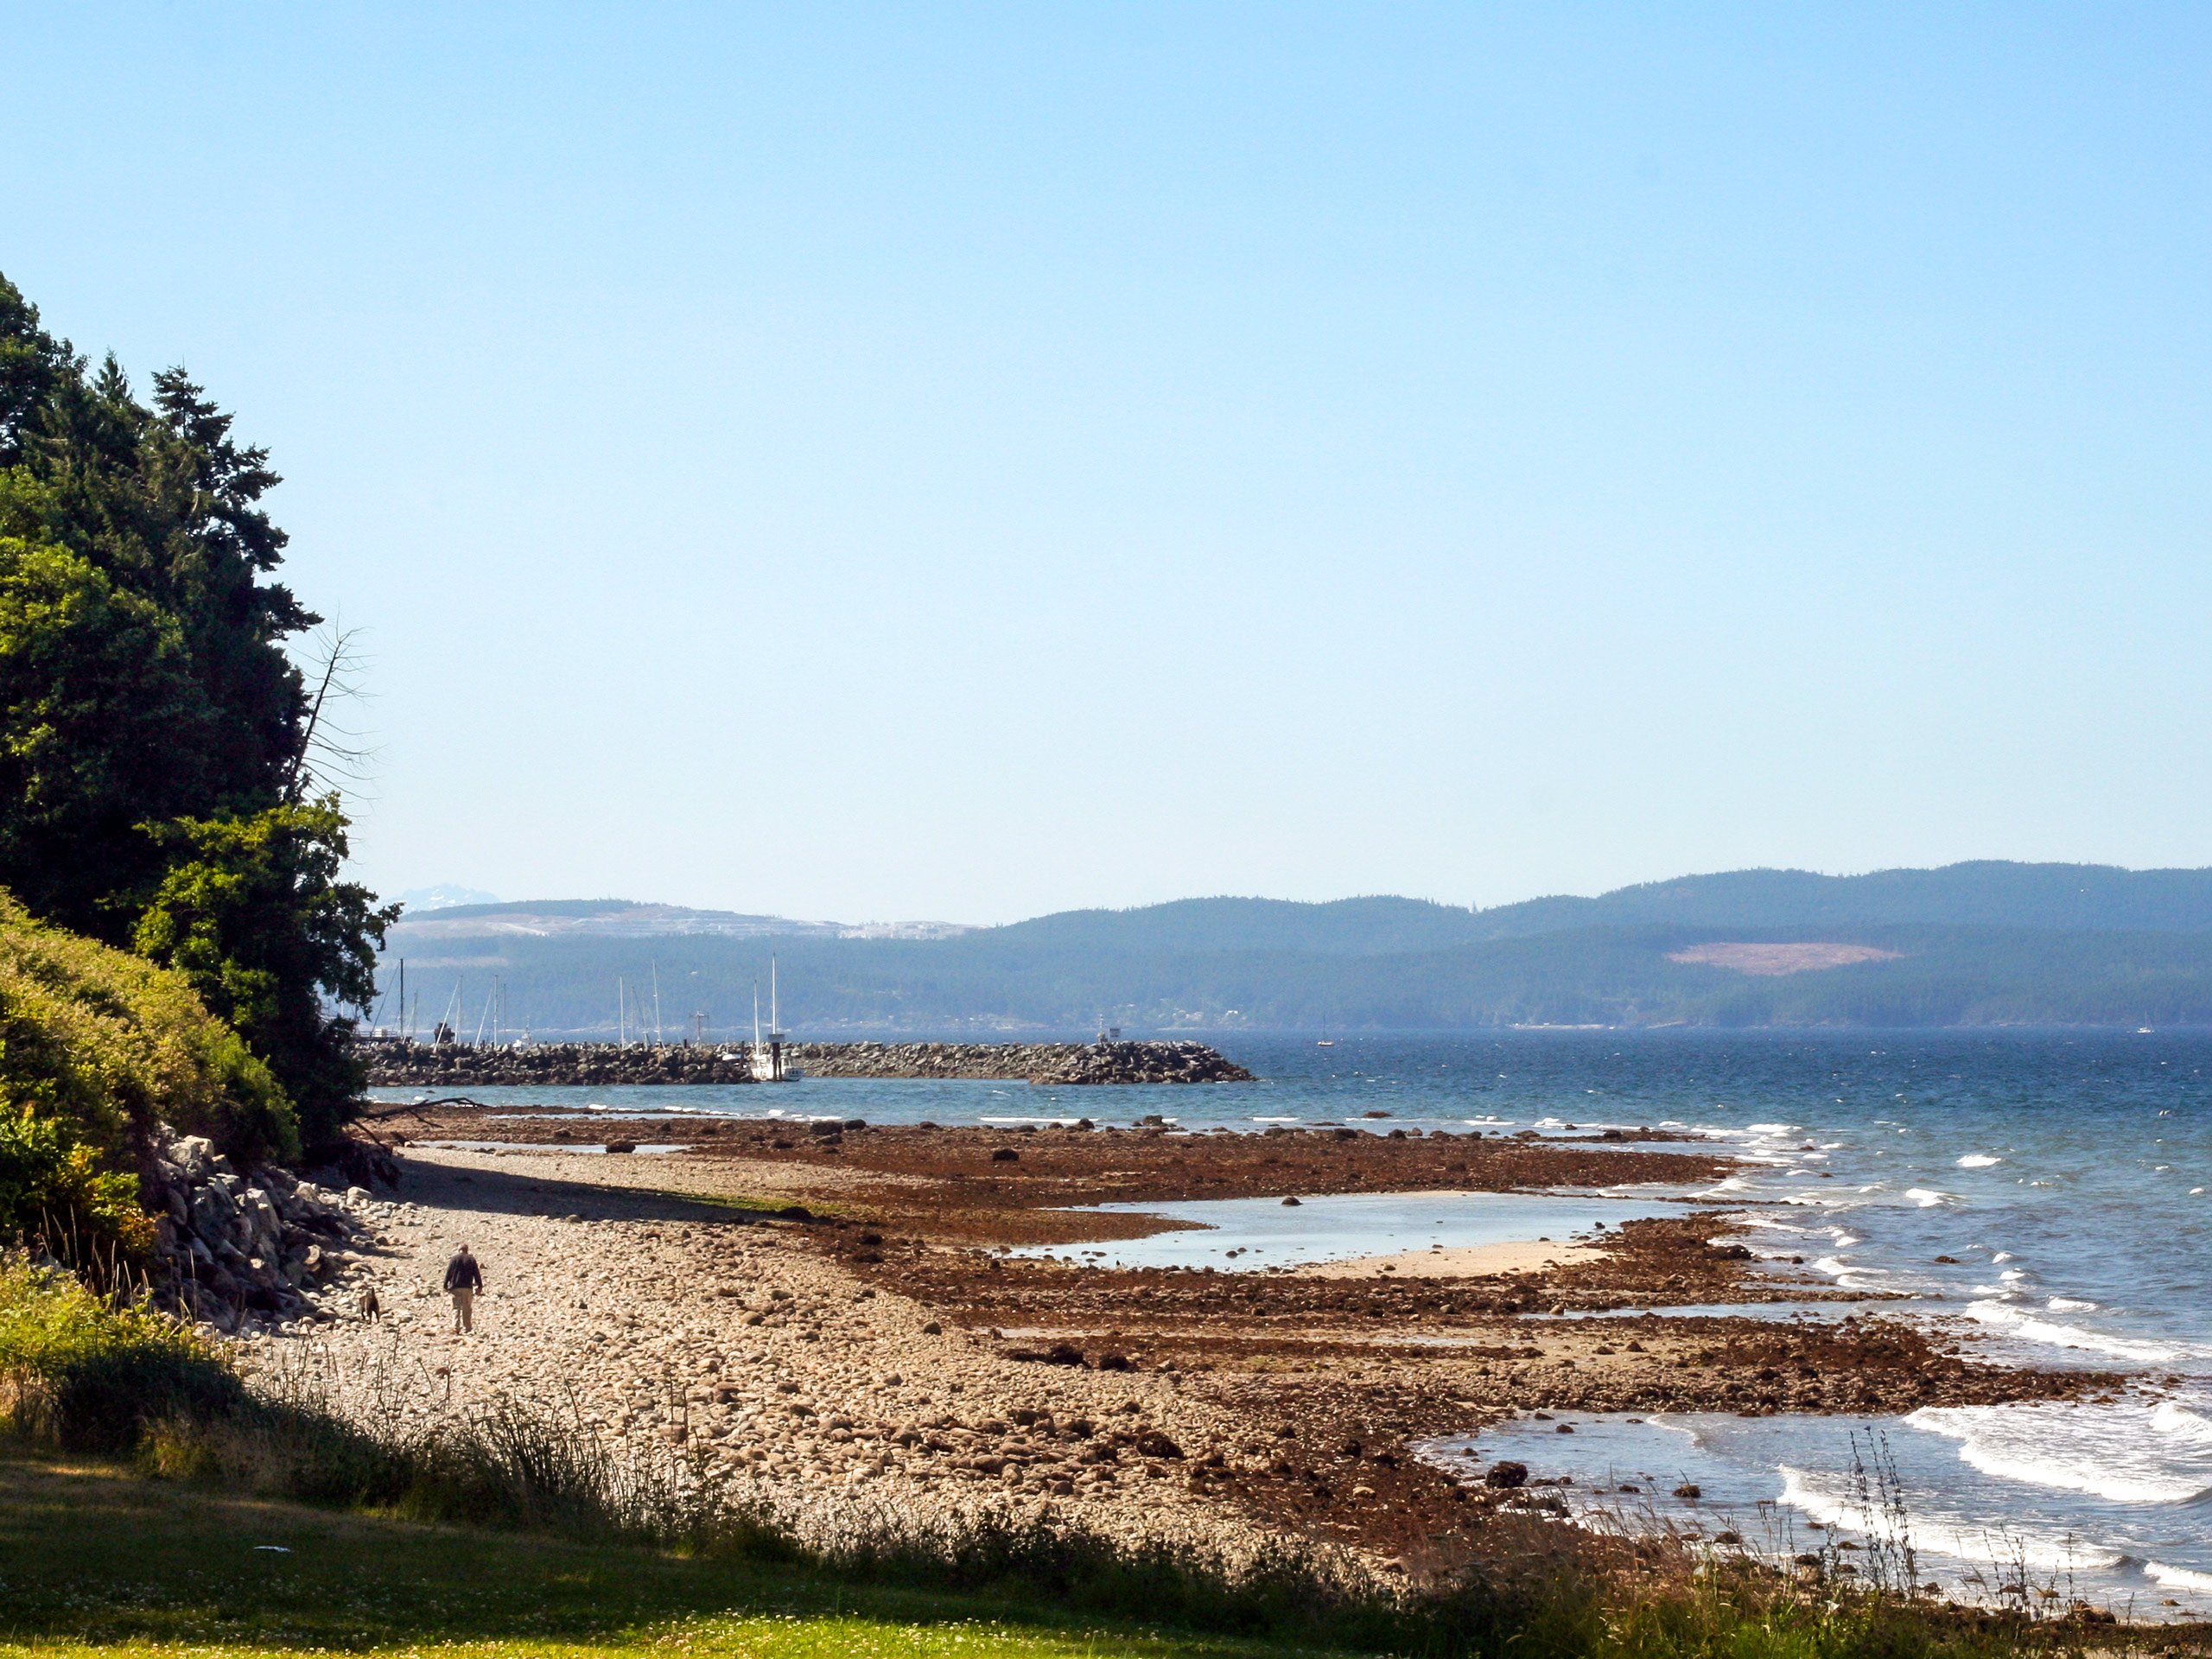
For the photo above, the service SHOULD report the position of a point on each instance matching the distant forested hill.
(1344, 927)
(1988, 894)
(1986, 944)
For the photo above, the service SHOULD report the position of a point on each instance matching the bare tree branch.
(416, 1108)
(329, 753)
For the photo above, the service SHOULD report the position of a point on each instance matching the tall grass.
(81, 1374)
(502, 1464)
(1284, 1588)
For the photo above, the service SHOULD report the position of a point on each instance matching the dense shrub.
(51, 1185)
(79, 1374)
(104, 1042)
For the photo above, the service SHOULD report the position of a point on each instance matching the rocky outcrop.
(255, 1245)
(459, 1065)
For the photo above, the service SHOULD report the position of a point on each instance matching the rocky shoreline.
(815, 1316)
(463, 1065)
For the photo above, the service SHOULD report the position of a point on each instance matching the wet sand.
(1471, 1261)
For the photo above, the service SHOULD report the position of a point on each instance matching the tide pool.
(1247, 1234)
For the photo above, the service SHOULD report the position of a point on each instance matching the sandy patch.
(1772, 961)
(1520, 1256)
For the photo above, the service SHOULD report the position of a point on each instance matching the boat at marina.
(769, 1063)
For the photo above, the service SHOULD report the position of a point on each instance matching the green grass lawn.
(95, 1560)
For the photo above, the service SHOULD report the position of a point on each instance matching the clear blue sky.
(966, 461)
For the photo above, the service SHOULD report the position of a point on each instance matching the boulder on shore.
(232, 1243)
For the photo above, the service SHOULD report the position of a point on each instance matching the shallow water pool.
(1249, 1235)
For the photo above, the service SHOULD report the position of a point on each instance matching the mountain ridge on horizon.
(1983, 943)
(1990, 893)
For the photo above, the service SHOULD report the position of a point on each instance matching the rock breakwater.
(462, 1066)
(1047, 1063)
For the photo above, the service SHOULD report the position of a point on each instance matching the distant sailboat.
(768, 1063)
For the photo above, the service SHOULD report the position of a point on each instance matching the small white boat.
(769, 1065)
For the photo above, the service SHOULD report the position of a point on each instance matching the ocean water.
(2068, 1176)
(1984, 1498)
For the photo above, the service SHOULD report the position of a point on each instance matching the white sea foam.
(2069, 1305)
(1816, 1498)
(2173, 1418)
(1978, 1160)
(2126, 1454)
(2176, 1578)
(2013, 1322)
(1927, 1197)
(1843, 1270)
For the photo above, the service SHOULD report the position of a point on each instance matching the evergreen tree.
(155, 737)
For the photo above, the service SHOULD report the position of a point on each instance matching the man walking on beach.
(463, 1278)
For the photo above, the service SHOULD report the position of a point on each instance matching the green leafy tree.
(96, 685)
(157, 744)
(253, 915)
